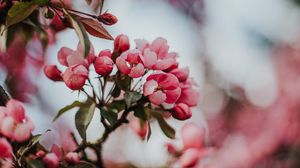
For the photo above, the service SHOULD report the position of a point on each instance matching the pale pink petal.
(164, 64)
(150, 58)
(157, 97)
(62, 55)
(137, 71)
(7, 127)
(141, 44)
(57, 151)
(75, 58)
(160, 47)
(172, 95)
(189, 96)
(149, 87)
(51, 160)
(79, 49)
(15, 109)
(168, 81)
(22, 132)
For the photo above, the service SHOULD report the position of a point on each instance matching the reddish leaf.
(94, 28)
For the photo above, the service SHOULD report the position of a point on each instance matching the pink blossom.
(52, 72)
(103, 65)
(162, 88)
(181, 73)
(131, 63)
(189, 158)
(40, 154)
(108, 18)
(156, 54)
(192, 136)
(5, 149)
(121, 43)
(181, 111)
(72, 158)
(189, 95)
(14, 124)
(75, 76)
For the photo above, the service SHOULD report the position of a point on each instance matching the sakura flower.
(5, 149)
(189, 95)
(121, 43)
(131, 63)
(189, 158)
(156, 54)
(192, 136)
(52, 72)
(181, 73)
(181, 111)
(108, 18)
(15, 125)
(51, 160)
(75, 76)
(162, 88)
(103, 63)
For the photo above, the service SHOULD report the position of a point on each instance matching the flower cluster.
(193, 150)
(166, 84)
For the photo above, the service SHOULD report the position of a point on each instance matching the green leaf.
(80, 31)
(41, 2)
(110, 115)
(83, 118)
(139, 112)
(123, 81)
(165, 127)
(132, 97)
(19, 12)
(67, 108)
(116, 92)
(119, 105)
(35, 164)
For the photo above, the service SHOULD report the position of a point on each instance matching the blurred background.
(244, 55)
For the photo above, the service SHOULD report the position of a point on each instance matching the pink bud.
(16, 110)
(40, 154)
(121, 43)
(106, 52)
(52, 72)
(170, 148)
(108, 18)
(5, 149)
(72, 158)
(189, 158)
(51, 160)
(192, 136)
(103, 65)
(181, 73)
(57, 24)
(75, 76)
(182, 111)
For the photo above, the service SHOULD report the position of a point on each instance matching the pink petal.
(122, 65)
(150, 58)
(51, 160)
(15, 109)
(141, 44)
(75, 58)
(149, 87)
(5, 149)
(137, 71)
(22, 132)
(189, 158)
(160, 47)
(62, 55)
(172, 95)
(168, 81)
(192, 136)
(164, 64)
(57, 151)
(157, 97)
(7, 127)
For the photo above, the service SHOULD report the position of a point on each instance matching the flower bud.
(5, 149)
(181, 73)
(181, 111)
(170, 148)
(108, 19)
(121, 43)
(103, 65)
(72, 158)
(52, 72)
(75, 76)
(40, 154)
(58, 24)
(51, 160)
(106, 52)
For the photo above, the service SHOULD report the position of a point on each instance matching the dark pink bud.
(72, 158)
(182, 111)
(106, 52)
(40, 154)
(51, 160)
(103, 65)
(52, 72)
(121, 43)
(57, 24)
(108, 19)
(170, 148)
